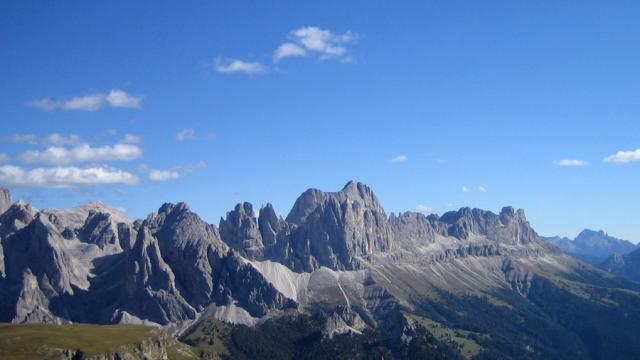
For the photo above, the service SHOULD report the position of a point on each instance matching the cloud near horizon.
(57, 155)
(64, 177)
(115, 98)
(157, 175)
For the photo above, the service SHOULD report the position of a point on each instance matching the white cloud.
(63, 177)
(399, 159)
(57, 139)
(186, 134)
(570, 162)
(20, 139)
(174, 173)
(465, 189)
(482, 189)
(52, 139)
(288, 50)
(323, 42)
(228, 66)
(163, 175)
(44, 104)
(119, 98)
(623, 157)
(4, 158)
(57, 155)
(424, 209)
(87, 102)
(92, 102)
(131, 139)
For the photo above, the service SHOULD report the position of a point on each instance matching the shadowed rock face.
(627, 265)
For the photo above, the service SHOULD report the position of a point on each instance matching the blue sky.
(435, 104)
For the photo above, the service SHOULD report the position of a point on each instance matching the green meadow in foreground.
(34, 341)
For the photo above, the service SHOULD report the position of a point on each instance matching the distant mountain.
(627, 265)
(592, 246)
(336, 278)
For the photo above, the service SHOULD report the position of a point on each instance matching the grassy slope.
(42, 341)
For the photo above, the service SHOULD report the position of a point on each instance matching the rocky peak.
(240, 231)
(352, 192)
(16, 217)
(5, 199)
(335, 229)
(510, 226)
(270, 225)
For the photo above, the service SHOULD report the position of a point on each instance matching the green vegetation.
(459, 339)
(300, 337)
(551, 321)
(44, 341)
(207, 339)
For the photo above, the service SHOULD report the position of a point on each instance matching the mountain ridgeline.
(592, 246)
(337, 271)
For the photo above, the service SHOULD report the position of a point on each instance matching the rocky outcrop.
(338, 229)
(5, 199)
(99, 229)
(186, 242)
(240, 231)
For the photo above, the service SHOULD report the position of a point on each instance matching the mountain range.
(592, 246)
(336, 274)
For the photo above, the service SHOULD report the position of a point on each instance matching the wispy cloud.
(4, 158)
(186, 134)
(425, 209)
(623, 157)
(115, 98)
(57, 155)
(399, 159)
(44, 104)
(288, 50)
(175, 173)
(228, 66)
(570, 162)
(131, 139)
(466, 189)
(311, 39)
(482, 189)
(51, 139)
(64, 177)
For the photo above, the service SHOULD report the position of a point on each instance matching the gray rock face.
(5, 200)
(272, 228)
(39, 248)
(240, 231)
(337, 229)
(509, 227)
(99, 229)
